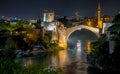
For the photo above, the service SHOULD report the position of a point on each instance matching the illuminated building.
(48, 20)
(99, 21)
(51, 26)
(91, 22)
(106, 18)
(48, 16)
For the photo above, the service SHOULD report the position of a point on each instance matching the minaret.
(98, 11)
(99, 18)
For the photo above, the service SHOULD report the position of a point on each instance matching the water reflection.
(88, 47)
(78, 49)
(60, 59)
(71, 61)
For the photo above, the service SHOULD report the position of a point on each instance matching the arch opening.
(79, 29)
(72, 29)
(83, 35)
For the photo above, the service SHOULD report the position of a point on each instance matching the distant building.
(33, 21)
(12, 18)
(106, 18)
(91, 21)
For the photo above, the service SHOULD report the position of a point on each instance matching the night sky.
(34, 8)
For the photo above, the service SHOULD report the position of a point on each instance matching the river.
(72, 60)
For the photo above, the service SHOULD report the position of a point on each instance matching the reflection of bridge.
(63, 34)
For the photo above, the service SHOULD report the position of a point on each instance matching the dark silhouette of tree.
(65, 21)
(116, 25)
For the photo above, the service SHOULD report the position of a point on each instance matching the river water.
(72, 60)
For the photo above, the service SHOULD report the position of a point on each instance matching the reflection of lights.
(78, 43)
(64, 58)
(61, 59)
(78, 46)
(78, 52)
(89, 47)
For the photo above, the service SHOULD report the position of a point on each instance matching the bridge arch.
(69, 31)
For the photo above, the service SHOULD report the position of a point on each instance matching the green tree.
(116, 24)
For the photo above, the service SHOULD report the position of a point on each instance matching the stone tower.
(48, 16)
(99, 16)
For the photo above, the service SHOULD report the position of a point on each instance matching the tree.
(65, 21)
(115, 28)
(116, 24)
(9, 50)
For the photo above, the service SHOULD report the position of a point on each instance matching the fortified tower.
(48, 16)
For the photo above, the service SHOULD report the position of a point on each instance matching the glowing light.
(78, 52)
(63, 45)
(59, 60)
(48, 16)
(88, 47)
(51, 27)
(64, 58)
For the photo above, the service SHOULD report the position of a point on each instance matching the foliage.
(65, 21)
(115, 28)
(3, 37)
(6, 26)
(100, 56)
(99, 48)
(10, 44)
(100, 52)
(116, 19)
(33, 34)
(11, 41)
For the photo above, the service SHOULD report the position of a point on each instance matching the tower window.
(50, 14)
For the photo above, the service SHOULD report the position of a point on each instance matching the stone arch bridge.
(70, 30)
(64, 33)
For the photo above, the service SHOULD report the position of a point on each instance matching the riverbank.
(30, 53)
